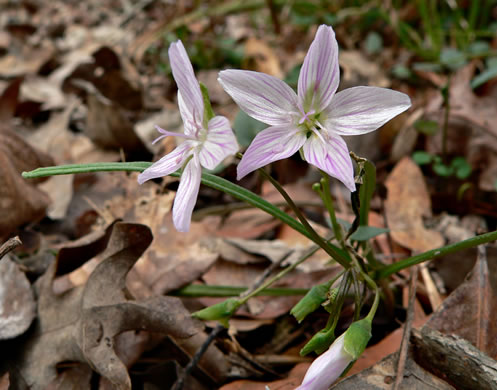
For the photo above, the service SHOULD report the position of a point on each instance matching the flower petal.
(320, 73)
(263, 97)
(331, 156)
(220, 143)
(186, 196)
(327, 367)
(271, 144)
(360, 110)
(170, 163)
(192, 105)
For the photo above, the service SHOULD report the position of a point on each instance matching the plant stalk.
(435, 253)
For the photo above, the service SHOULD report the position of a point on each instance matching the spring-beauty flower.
(316, 118)
(328, 367)
(207, 142)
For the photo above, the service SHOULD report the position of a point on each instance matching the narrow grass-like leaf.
(209, 180)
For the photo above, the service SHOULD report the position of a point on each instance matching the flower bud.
(311, 301)
(345, 350)
(221, 312)
(319, 343)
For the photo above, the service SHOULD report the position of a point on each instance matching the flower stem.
(435, 253)
(202, 290)
(328, 201)
(337, 256)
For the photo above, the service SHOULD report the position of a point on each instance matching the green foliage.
(421, 157)
(246, 128)
(292, 77)
(221, 312)
(357, 337)
(365, 233)
(446, 35)
(311, 301)
(452, 59)
(401, 72)
(489, 73)
(458, 166)
(373, 43)
(208, 111)
(427, 127)
(319, 343)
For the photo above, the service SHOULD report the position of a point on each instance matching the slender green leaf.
(364, 233)
(435, 254)
(203, 290)
(209, 180)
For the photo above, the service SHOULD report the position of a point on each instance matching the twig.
(267, 272)
(130, 13)
(10, 245)
(180, 382)
(195, 359)
(404, 345)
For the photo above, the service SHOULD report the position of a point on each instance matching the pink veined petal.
(320, 73)
(186, 196)
(360, 110)
(168, 164)
(331, 156)
(263, 97)
(220, 143)
(271, 144)
(327, 368)
(187, 83)
(191, 123)
(167, 133)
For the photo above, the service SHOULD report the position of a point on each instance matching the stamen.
(305, 115)
(319, 134)
(167, 133)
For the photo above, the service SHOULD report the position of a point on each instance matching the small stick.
(10, 245)
(180, 382)
(404, 345)
(267, 272)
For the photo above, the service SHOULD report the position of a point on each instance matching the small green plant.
(457, 167)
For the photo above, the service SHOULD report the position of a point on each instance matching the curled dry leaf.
(17, 303)
(20, 201)
(407, 203)
(80, 324)
(468, 312)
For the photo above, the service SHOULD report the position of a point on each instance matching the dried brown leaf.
(80, 324)
(408, 201)
(469, 311)
(20, 201)
(17, 302)
(293, 380)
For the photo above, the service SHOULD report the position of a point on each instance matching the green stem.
(202, 290)
(328, 202)
(376, 302)
(435, 253)
(337, 256)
